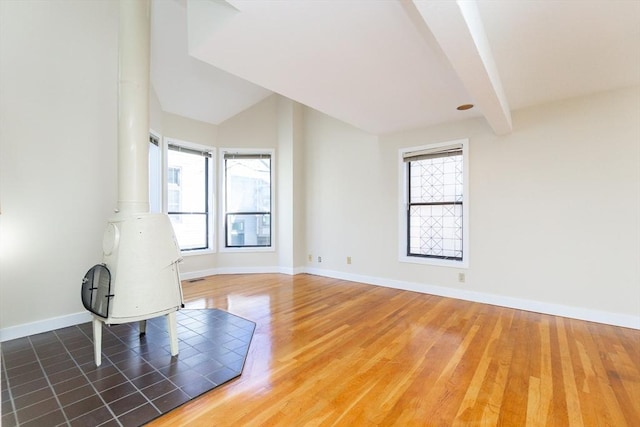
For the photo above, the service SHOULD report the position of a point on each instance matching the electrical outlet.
(348, 260)
(461, 277)
(319, 259)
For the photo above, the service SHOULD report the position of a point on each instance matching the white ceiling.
(390, 65)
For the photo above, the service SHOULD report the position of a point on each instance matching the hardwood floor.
(330, 352)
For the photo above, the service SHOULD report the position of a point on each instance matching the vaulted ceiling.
(390, 65)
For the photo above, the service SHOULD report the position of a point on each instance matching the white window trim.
(221, 191)
(211, 240)
(403, 201)
(160, 166)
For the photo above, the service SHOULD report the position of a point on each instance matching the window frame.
(403, 230)
(155, 179)
(210, 188)
(222, 237)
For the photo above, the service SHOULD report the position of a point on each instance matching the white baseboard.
(291, 271)
(46, 325)
(198, 274)
(615, 319)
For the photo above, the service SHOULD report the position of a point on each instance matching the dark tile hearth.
(50, 379)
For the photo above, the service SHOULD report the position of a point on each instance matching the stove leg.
(173, 332)
(97, 341)
(143, 327)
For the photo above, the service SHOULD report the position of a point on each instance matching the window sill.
(248, 250)
(435, 262)
(197, 252)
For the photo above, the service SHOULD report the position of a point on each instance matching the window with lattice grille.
(434, 217)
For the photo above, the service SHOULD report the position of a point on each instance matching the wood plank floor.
(329, 352)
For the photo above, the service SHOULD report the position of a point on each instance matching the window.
(155, 174)
(435, 205)
(247, 200)
(189, 195)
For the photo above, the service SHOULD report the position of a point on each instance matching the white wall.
(554, 205)
(58, 143)
(346, 215)
(185, 129)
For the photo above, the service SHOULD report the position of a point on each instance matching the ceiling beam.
(457, 28)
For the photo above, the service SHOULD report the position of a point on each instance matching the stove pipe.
(133, 106)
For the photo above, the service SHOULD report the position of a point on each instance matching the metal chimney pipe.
(133, 106)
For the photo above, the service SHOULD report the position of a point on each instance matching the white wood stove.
(138, 278)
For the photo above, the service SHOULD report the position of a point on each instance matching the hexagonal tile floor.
(50, 379)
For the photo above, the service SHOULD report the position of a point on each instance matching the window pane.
(190, 230)
(187, 180)
(436, 230)
(248, 230)
(248, 201)
(436, 180)
(248, 185)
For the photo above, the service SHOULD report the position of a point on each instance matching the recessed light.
(464, 107)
